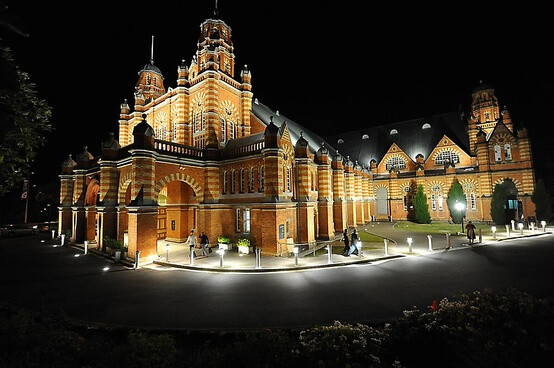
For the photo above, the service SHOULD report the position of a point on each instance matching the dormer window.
(426, 126)
(340, 141)
(447, 157)
(507, 152)
(365, 136)
(396, 163)
(393, 131)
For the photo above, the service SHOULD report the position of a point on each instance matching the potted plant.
(124, 252)
(224, 242)
(243, 245)
(115, 246)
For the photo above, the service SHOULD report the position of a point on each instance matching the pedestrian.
(346, 250)
(204, 243)
(191, 241)
(353, 242)
(470, 230)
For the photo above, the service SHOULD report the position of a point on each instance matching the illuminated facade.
(207, 155)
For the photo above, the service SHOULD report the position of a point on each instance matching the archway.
(177, 211)
(382, 208)
(513, 205)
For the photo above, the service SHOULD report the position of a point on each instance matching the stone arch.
(516, 182)
(433, 184)
(470, 185)
(92, 192)
(198, 191)
(124, 182)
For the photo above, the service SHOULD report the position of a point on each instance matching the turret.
(150, 81)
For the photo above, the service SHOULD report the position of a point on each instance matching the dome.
(301, 142)
(150, 67)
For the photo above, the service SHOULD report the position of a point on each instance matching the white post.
(221, 253)
(493, 229)
(447, 240)
(53, 234)
(532, 224)
(295, 251)
(430, 240)
(137, 259)
(513, 225)
(507, 231)
(86, 246)
(258, 258)
(63, 239)
(409, 240)
(543, 224)
(480, 236)
(386, 247)
(520, 226)
(329, 251)
(167, 247)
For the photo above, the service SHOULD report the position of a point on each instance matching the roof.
(264, 113)
(150, 67)
(410, 137)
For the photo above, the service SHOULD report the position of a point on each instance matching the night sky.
(329, 66)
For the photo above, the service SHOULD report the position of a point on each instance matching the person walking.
(204, 243)
(353, 241)
(191, 241)
(470, 230)
(346, 250)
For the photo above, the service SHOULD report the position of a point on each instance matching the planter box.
(243, 249)
(225, 246)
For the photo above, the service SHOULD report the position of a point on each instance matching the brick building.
(207, 155)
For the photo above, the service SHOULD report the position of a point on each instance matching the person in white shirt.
(191, 241)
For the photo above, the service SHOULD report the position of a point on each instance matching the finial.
(124, 100)
(271, 119)
(70, 156)
(86, 147)
(152, 51)
(301, 134)
(143, 116)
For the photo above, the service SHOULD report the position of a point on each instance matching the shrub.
(223, 239)
(113, 244)
(243, 242)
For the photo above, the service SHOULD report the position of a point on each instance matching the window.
(196, 121)
(426, 126)
(155, 81)
(246, 212)
(396, 163)
(487, 116)
(242, 180)
(497, 154)
(203, 120)
(507, 152)
(148, 79)
(440, 202)
(238, 221)
(465, 200)
(289, 172)
(262, 179)
(393, 131)
(251, 180)
(225, 180)
(223, 131)
(365, 136)
(446, 157)
(233, 181)
(406, 197)
(433, 203)
(231, 130)
(472, 202)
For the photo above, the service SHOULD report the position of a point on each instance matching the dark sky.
(330, 66)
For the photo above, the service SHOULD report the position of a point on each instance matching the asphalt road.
(37, 275)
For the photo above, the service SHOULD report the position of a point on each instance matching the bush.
(243, 242)
(223, 239)
(113, 244)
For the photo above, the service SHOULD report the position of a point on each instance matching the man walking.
(191, 241)
(346, 250)
(204, 243)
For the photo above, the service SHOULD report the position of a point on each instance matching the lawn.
(440, 227)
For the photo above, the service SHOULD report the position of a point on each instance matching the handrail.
(178, 149)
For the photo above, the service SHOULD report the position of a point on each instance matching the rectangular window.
(433, 203)
(507, 152)
(238, 221)
(251, 180)
(473, 202)
(405, 200)
(289, 171)
(246, 213)
(262, 179)
(233, 181)
(225, 179)
(440, 202)
(497, 153)
(242, 180)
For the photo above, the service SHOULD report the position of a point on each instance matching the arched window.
(433, 202)
(472, 202)
(242, 180)
(393, 131)
(225, 179)
(223, 131)
(507, 152)
(261, 179)
(406, 197)
(148, 79)
(396, 162)
(426, 126)
(203, 120)
(233, 181)
(155, 80)
(497, 153)
(440, 202)
(365, 136)
(340, 141)
(251, 180)
(446, 157)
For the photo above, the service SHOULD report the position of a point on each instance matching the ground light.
(295, 250)
(493, 229)
(106, 268)
(167, 247)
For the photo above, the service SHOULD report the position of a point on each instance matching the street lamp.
(460, 207)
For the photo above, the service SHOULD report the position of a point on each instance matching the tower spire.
(152, 51)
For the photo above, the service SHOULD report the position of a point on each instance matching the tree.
(456, 195)
(498, 205)
(24, 120)
(421, 207)
(542, 201)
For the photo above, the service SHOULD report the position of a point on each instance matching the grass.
(440, 227)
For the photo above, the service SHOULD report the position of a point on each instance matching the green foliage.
(498, 205)
(223, 239)
(243, 242)
(145, 350)
(456, 194)
(113, 244)
(421, 207)
(24, 121)
(543, 203)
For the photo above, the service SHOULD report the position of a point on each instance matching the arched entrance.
(381, 208)
(177, 211)
(514, 208)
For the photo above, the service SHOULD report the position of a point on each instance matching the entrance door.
(382, 208)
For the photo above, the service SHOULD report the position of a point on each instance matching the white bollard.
(63, 239)
(329, 252)
(295, 251)
(386, 247)
(137, 259)
(430, 241)
(409, 240)
(507, 231)
(513, 225)
(53, 234)
(86, 246)
(258, 258)
(447, 240)
(480, 236)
